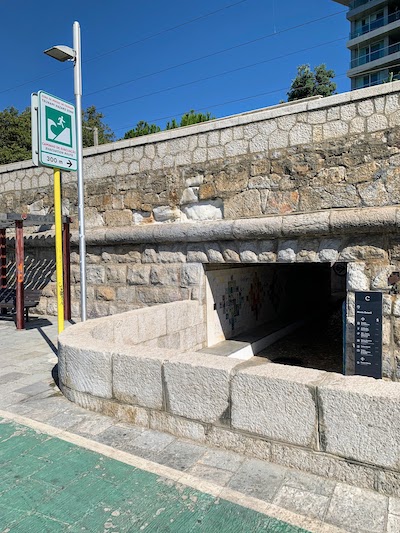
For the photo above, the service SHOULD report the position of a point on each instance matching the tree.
(308, 83)
(191, 117)
(15, 132)
(142, 128)
(323, 80)
(172, 125)
(15, 135)
(92, 119)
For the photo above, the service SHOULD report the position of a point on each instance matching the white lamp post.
(65, 53)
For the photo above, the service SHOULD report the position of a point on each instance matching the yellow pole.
(59, 251)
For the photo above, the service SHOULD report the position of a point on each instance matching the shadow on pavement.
(54, 374)
(48, 340)
(37, 323)
(32, 323)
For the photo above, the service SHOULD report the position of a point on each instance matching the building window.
(368, 53)
(367, 80)
(368, 23)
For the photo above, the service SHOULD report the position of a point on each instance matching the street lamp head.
(61, 52)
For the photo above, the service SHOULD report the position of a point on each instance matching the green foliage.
(389, 79)
(142, 128)
(15, 135)
(393, 76)
(93, 119)
(189, 118)
(172, 125)
(308, 83)
(323, 80)
(15, 132)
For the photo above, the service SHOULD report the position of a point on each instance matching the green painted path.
(50, 485)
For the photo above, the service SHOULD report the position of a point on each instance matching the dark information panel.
(369, 334)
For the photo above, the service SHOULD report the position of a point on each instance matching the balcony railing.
(377, 54)
(371, 83)
(378, 23)
(357, 3)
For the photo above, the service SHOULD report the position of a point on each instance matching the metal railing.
(378, 23)
(371, 83)
(358, 3)
(377, 54)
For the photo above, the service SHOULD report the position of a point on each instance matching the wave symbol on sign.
(63, 137)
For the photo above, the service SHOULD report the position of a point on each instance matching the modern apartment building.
(374, 41)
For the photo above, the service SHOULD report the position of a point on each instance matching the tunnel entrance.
(288, 313)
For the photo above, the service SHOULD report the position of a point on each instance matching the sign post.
(61, 52)
(59, 251)
(368, 337)
(54, 145)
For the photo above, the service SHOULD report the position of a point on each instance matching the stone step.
(251, 342)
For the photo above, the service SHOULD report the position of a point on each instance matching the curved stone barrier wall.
(142, 366)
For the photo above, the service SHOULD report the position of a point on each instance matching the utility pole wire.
(164, 31)
(127, 45)
(213, 54)
(56, 73)
(193, 82)
(210, 106)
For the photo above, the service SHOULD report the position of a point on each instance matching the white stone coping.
(328, 222)
(272, 112)
(347, 417)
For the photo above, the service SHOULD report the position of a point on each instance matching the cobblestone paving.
(27, 389)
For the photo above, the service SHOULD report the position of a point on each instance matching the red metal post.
(3, 264)
(67, 271)
(19, 282)
(3, 260)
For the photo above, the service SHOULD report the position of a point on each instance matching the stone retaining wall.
(156, 264)
(336, 152)
(315, 181)
(342, 427)
(282, 182)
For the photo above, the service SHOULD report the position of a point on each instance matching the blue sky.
(131, 55)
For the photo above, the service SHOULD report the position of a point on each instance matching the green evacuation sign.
(58, 127)
(57, 132)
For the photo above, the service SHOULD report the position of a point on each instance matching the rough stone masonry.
(313, 181)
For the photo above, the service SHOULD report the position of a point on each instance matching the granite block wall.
(336, 152)
(312, 181)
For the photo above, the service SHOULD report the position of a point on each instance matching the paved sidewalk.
(48, 484)
(156, 482)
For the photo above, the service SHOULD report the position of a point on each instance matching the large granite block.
(276, 402)
(125, 329)
(183, 315)
(197, 386)
(152, 323)
(85, 362)
(137, 376)
(360, 419)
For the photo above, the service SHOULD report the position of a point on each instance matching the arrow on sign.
(69, 163)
